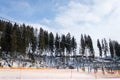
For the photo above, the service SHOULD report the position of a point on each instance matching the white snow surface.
(47, 74)
(43, 74)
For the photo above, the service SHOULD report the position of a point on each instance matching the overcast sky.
(98, 18)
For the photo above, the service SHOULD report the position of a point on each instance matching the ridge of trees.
(21, 39)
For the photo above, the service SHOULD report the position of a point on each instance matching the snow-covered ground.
(44, 69)
(43, 74)
(47, 74)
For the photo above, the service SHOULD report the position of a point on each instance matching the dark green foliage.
(33, 40)
(7, 37)
(82, 45)
(57, 41)
(100, 48)
(90, 46)
(105, 48)
(41, 41)
(73, 45)
(57, 45)
(22, 39)
(14, 40)
(102, 45)
(117, 48)
(68, 43)
(2, 31)
(86, 43)
(62, 44)
(51, 43)
(114, 48)
(19, 40)
(111, 48)
(46, 40)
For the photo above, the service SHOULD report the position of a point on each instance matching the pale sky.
(98, 18)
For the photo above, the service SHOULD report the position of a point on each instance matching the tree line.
(21, 40)
(24, 39)
(113, 47)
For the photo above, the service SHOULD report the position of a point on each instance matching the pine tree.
(111, 48)
(117, 48)
(105, 47)
(68, 43)
(28, 38)
(100, 48)
(23, 38)
(14, 40)
(82, 44)
(41, 41)
(73, 45)
(86, 44)
(51, 43)
(8, 35)
(62, 44)
(86, 41)
(33, 40)
(57, 45)
(2, 33)
(46, 40)
(90, 46)
(19, 40)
